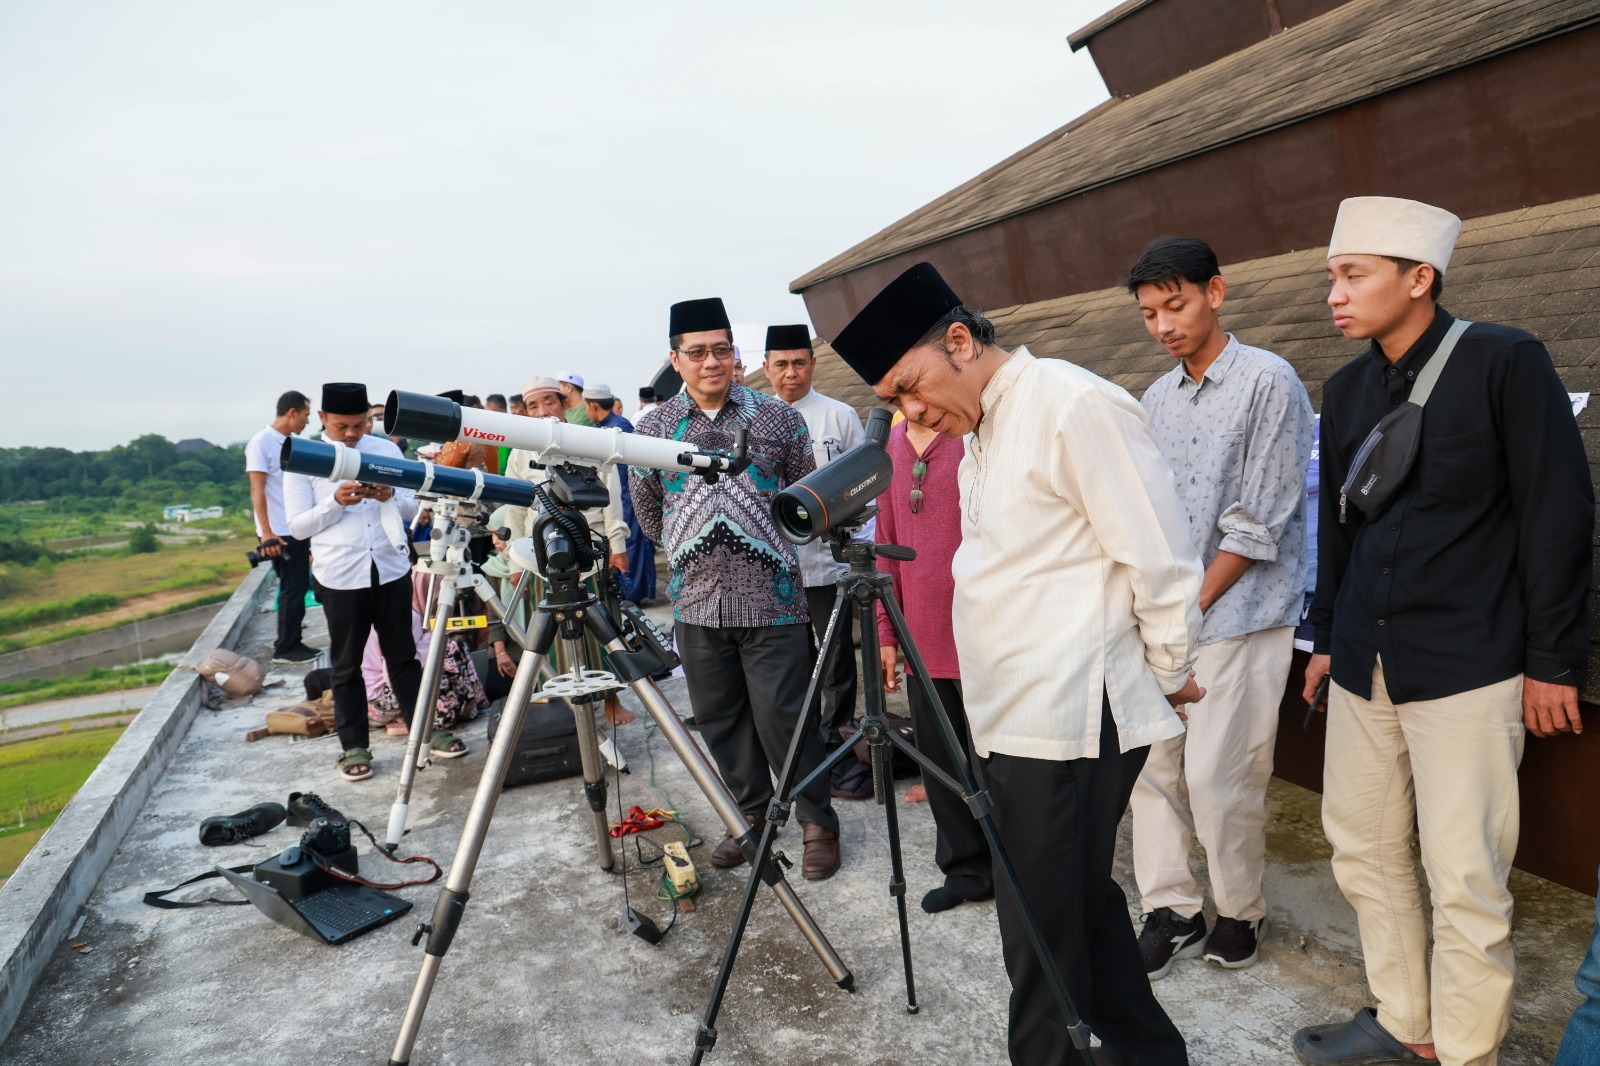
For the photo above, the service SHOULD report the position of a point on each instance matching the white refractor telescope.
(434, 418)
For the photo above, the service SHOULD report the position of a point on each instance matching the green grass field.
(97, 680)
(37, 778)
(84, 594)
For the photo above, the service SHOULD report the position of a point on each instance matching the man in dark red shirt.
(922, 511)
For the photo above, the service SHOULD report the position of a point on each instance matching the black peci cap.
(698, 316)
(345, 398)
(788, 338)
(894, 321)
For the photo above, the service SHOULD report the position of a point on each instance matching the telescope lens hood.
(416, 414)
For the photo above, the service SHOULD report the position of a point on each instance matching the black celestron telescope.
(834, 502)
(561, 550)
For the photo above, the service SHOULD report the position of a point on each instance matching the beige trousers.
(1211, 782)
(1449, 765)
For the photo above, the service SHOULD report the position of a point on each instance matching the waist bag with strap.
(1385, 458)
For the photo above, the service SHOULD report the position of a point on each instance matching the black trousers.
(747, 686)
(1058, 822)
(352, 614)
(960, 850)
(838, 690)
(293, 567)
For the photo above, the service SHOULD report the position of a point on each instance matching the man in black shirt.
(1449, 622)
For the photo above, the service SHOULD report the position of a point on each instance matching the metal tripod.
(861, 590)
(452, 574)
(559, 551)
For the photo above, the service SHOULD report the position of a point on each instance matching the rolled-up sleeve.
(1274, 482)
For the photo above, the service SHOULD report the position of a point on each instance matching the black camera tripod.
(560, 550)
(862, 589)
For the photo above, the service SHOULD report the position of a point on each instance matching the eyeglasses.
(919, 470)
(721, 353)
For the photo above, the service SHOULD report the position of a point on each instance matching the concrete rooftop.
(543, 973)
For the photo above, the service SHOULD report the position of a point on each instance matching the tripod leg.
(883, 785)
(758, 850)
(441, 927)
(980, 804)
(421, 716)
(594, 770)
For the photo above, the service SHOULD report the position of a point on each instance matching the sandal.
(1361, 1041)
(446, 745)
(355, 764)
(397, 728)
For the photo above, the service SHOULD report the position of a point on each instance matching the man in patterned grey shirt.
(1235, 424)
(736, 590)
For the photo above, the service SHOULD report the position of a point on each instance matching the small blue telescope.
(336, 462)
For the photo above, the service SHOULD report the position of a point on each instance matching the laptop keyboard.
(333, 911)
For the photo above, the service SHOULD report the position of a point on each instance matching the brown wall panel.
(1295, 12)
(1557, 781)
(1162, 40)
(1509, 132)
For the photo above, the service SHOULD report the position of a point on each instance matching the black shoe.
(1235, 944)
(307, 807)
(232, 828)
(1166, 938)
(296, 655)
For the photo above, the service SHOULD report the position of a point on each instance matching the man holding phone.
(363, 573)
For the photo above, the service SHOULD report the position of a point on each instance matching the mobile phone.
(1318, 698)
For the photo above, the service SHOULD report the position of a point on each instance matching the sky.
(204, 204)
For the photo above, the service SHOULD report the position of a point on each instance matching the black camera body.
(256, 558)
(327, 837)
(298, 871)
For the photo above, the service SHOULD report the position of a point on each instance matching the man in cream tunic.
(1076, 612)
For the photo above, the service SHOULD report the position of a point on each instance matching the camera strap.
(154, 899)
(345, 875)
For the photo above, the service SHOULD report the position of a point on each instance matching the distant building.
(175, 512)
(199, 514)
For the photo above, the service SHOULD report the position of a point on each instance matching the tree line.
(147, 471)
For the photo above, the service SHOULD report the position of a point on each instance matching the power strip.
(680, 869)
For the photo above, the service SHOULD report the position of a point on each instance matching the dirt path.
(139, 606)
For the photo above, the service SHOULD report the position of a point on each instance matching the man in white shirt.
(1075, 614)
(291, 557)
(363, 574)
(835, 428)
(647, 402)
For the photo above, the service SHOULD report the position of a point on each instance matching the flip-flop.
(446, 745)
(355, 764)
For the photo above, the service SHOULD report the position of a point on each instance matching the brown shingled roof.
(1363, 49)
(1537, 268)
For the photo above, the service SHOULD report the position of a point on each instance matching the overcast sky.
(204, 203)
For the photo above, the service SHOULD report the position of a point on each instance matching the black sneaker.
(232, 828)
(296, 655)
(1236, 944)
(1166, 938)
(307, 807)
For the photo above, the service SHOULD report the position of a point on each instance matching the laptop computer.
(332, 916)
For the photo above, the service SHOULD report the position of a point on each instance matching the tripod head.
(859, 554)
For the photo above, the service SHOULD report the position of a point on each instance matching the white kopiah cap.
(1403, 229)
(599, 392)
(571, 379)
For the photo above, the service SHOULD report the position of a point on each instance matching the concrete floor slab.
(542, 971)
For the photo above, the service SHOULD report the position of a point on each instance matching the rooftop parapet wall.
(40, 901)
